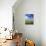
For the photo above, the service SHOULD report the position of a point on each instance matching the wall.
(43, 23)
(32, 32)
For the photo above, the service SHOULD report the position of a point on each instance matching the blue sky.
(29, 16)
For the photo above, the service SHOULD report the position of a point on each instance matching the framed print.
(29, 19)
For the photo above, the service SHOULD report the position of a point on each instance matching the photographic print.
(29, 19)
